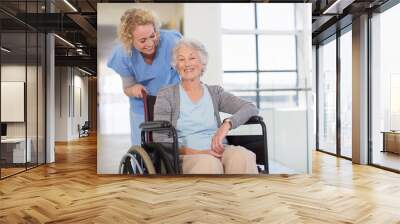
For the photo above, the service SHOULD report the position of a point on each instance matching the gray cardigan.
(167, 106)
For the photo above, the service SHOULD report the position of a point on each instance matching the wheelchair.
(163, 158)
(83, 130)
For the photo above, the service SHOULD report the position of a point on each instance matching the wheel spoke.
(136, 162)
(136, 166)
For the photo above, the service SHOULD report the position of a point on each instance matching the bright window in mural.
(266, 71)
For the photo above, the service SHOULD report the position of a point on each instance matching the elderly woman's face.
(145, 39)
(188, 63)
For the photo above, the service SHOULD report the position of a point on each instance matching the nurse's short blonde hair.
(130, 20)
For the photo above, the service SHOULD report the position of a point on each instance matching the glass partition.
(31, 100)
(13, 105)
(385, 89)
(327, 97)
(22, 89)
(346, 94)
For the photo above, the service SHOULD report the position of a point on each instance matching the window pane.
(243, 81)
(346, 94)
(247, 95)
(394, 101)
(385, 88)
(237, 16)
(280, 99)
(270, 80)
(238, 52)
(275, 16)
(277, 52)
(327, 97)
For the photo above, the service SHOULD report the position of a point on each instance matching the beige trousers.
(234, 160)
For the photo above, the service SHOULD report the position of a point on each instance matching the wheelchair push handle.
(146, 113)
(153, 125)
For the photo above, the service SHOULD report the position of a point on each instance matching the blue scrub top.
(152, 76)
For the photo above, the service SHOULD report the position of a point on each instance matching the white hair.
(193, 44)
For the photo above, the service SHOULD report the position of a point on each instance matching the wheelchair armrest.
(254, 120)
(155, 125)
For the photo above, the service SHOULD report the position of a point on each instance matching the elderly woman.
(143, 60)
(193, 109)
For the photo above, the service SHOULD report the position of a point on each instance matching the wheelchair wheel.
(162, 158)
(136, 161)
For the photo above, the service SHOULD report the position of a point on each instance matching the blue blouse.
(196, 124)
(152, 76)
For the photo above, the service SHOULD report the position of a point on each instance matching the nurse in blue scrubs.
(143, 60)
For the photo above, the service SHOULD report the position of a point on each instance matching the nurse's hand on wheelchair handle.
(135, 91)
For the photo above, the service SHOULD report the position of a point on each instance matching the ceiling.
(77, 23)
(329, 16)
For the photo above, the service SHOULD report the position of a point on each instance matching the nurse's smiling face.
(145, 39)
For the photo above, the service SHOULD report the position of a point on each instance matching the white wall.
(287, 136)
(80, 104)
(12, 101)
(206, 29)
(61, 103)
(171, 13)
(12, 73)
(68, 82)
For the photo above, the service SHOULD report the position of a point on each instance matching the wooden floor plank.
(70, 191)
